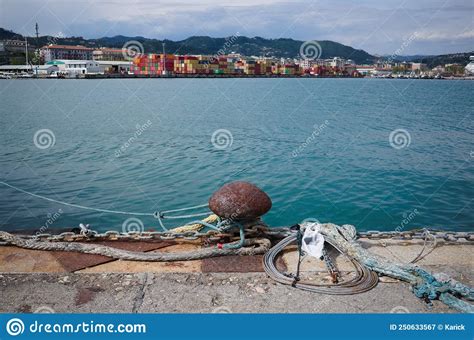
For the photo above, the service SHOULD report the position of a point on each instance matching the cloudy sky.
(379, 27)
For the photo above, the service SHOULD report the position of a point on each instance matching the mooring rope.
(252, 246)
(157, 214)
(424, 284)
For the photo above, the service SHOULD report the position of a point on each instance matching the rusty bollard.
(240, 201)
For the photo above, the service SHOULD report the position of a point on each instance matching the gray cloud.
(440, 26)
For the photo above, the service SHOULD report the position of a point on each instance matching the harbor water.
(376, 153)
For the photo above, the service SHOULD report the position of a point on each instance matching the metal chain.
(418, 234)
(256, 228)
(332, 269)
(250, 230)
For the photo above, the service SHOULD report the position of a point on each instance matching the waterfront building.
(469, 69)
(336, 62)
(319, 62)
(45, 70)
(75, 68)
(307, 64)
(439, 69)
(41, 70)
(114, 67)
(15, 69)
(15, 46)
(454, 69)
(65, 52)
(402, 67)
(350, 69)
(418, 67)
(383, 65)
(365, 70)
(109, 54)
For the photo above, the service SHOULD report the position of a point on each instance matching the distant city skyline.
(394, 26)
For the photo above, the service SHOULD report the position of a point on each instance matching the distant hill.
(5, 34)
(433, 61)
(257, 46)
(410, 58)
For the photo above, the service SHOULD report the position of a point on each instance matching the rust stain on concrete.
(120, 266)
(76, 261)
(18, 260)
(85, 295)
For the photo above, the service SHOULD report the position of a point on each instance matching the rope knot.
(86, 230)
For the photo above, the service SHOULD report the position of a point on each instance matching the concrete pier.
(38, 281)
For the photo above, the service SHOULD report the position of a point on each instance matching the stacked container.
(153, 64)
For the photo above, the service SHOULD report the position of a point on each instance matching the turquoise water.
(319, 147)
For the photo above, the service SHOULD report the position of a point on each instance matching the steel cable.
(364, 280)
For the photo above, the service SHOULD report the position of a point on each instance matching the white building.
(307, 63)
(45, 70)
(337, 62)
(41, 70)
(470, 67)
(74, 68)
(62, 52)
(16, 69)
(418, 67)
